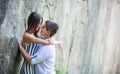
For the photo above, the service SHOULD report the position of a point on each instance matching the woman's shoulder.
(26, 34)
(26, 38)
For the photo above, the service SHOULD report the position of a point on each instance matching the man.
(44, 58)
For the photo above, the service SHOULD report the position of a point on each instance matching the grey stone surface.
(8, 54)
(89, 31)
(3, 4)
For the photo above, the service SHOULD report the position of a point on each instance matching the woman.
(30, 39)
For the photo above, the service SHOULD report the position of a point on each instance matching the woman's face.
(39, 25)
(41, 21)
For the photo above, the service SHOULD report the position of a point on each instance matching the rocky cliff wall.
(89, 31)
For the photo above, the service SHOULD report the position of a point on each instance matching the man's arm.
(24, 53)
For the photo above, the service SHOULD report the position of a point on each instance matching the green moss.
(60, 71)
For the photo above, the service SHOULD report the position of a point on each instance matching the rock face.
(89, 31)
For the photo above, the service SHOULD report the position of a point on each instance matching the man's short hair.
(52, 27)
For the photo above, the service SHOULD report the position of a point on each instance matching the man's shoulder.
(48, 46)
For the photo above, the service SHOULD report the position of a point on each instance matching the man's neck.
(42, 37)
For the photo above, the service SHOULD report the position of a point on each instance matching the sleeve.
(42, 54)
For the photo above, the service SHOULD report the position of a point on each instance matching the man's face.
(44, 33)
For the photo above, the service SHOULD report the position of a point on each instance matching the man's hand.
(19, 44)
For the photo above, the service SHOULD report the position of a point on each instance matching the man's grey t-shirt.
(44, 59)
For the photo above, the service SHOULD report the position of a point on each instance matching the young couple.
(36, 48)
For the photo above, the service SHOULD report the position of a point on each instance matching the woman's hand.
(50, 42)
(60, 46)
(58, 43)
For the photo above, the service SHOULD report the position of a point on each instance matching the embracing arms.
(39, 56)
(29, 38)
(24, 53)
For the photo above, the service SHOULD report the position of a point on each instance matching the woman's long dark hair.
(33, 21)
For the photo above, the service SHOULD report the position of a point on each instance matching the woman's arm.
(32, 39)
(24, 53)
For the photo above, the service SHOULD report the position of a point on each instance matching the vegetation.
(60, 71)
